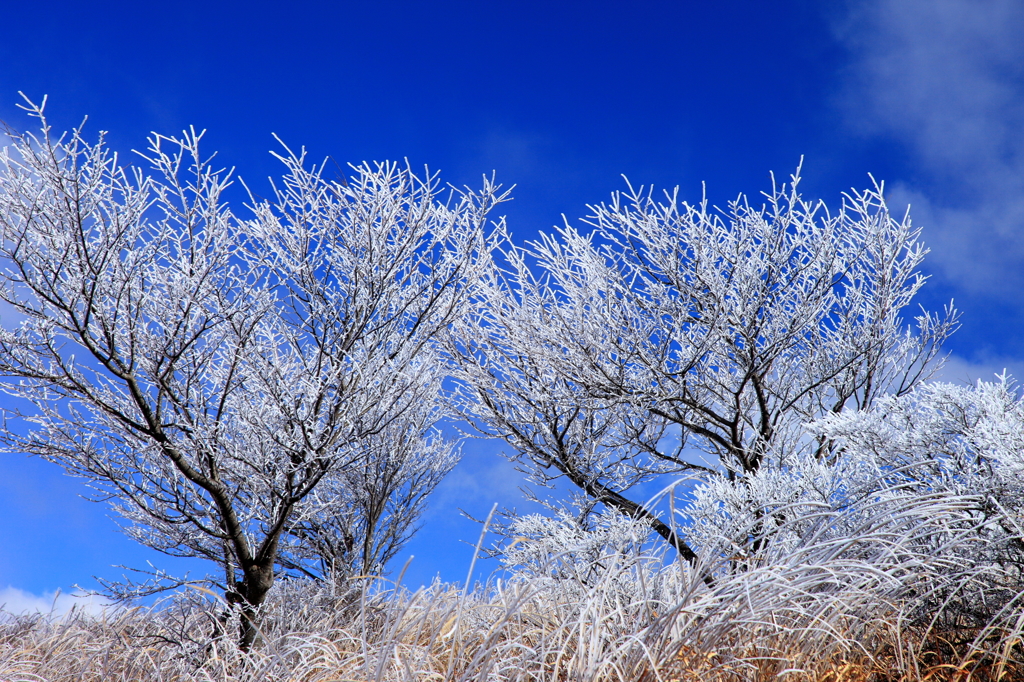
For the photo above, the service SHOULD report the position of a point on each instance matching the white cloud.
(945, 79)
(15, 601)
(958, 370)
(482, 478)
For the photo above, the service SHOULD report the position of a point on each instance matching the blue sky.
(560, 99)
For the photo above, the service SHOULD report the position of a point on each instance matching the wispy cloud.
(958, 370)
(944, 79)
(482, 478)
(18, 602)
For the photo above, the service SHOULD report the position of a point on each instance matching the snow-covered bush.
(560, 550)
(919, 500)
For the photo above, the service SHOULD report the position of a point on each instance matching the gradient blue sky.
(560, 98)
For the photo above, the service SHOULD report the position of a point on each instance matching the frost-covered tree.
(212, 375)
(730, 329)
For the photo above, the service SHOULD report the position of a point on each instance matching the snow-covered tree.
(731, 329)
(211, 374)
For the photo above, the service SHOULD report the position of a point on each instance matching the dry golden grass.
(508, 632)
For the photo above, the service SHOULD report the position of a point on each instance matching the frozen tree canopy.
(235, 384)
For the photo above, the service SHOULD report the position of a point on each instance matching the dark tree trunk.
(250, 595)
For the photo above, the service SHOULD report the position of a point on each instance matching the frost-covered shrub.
(918, 500)
(964, 445)
(560, 552)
